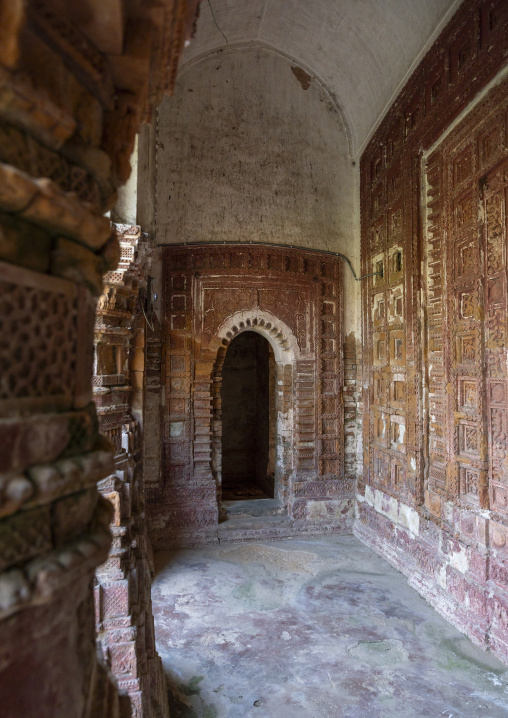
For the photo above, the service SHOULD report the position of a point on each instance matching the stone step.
(253, 507)
(255, 528)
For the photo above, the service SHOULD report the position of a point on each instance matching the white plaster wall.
(125, 209)
(361, 50)
(244, 153)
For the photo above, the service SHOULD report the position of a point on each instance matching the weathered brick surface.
(122, 594)
(67, 130)
(447, 578)
(436, 405)
(294, 298)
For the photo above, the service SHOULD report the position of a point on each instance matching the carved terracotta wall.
(467, 178)
(71, 100)
(435, 498)
(294, 298)
(123, 605)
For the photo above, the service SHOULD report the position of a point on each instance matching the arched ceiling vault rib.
(265, 10)
(233, 47)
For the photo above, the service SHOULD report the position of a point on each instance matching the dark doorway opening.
(246, 396)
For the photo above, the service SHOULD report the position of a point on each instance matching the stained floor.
(311, 629)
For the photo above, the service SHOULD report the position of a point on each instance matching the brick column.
(122, 592)
(71, 101)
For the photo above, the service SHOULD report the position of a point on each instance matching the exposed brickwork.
(294, 297)
(69, 113)
(466, 297)
(122, 592)
(435, 324)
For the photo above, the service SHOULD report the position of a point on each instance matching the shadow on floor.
(180, 708)
(318, 628)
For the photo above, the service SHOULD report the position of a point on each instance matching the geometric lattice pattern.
(38, 328)
(25, 152)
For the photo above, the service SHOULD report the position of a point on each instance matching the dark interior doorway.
(246, 395)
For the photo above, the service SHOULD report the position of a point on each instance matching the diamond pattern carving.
(36, 323)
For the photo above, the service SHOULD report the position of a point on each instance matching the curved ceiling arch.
(187, 64)
(360, 51)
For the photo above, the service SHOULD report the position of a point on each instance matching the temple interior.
(253, 358)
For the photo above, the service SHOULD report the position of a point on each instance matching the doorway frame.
(284, 347)
(207, 292)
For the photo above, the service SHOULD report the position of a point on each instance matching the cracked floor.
(311, 629)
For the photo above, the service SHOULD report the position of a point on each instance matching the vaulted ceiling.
(360, 51)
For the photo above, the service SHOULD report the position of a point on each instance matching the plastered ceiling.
(360, 51)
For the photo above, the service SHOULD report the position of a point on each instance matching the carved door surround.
(286, 351)
(294, 299)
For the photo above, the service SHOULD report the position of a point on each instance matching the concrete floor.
(311, 629)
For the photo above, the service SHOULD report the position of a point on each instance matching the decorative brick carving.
(294, 298)
(452, 289)
(66, 134)
(28, 154)
(123, 583)
(467, 288)
(38, 316)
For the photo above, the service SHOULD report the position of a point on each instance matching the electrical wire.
(215, 21)
(273, 244)
(146, 318)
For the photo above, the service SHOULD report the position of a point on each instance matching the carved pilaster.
(123, 603)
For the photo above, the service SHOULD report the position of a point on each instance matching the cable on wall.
(273, 244)
(215, 21)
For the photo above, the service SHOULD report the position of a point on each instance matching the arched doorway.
(248, 419)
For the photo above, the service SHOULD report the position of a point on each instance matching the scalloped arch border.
(280, 336)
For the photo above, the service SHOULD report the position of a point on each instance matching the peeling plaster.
(459, 560)
(303, 77)
(393, 509)
(371, 47)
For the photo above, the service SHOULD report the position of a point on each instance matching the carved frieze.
(392, 246)
(294, 298)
